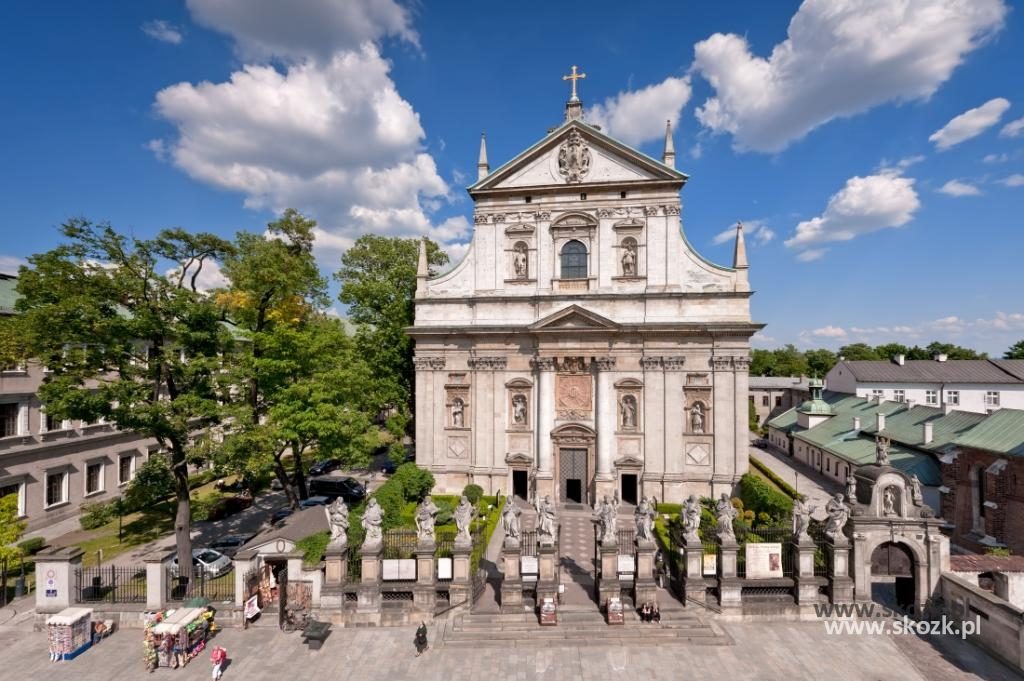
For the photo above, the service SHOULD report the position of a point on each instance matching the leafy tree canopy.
(1016, 351)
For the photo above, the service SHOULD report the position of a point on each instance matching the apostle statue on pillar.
(464, 513)
(337, 520)
(373, 523)
(691, 518)
(644, 517)
(426, 517)
(606, 517)
(838, 514)
(510, 521)
(726, 513)
(547, 521)
(801, 518)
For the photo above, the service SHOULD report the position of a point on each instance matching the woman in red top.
(217, 657)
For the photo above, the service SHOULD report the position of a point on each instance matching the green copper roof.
(1002, 432)
(906, 426)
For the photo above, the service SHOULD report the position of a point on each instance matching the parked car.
(324, 467)
(761, 444)
(349, 489)
(229, 544)
(314, 501)
(280, 514)
(212, 563)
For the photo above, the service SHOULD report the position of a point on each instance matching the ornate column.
(545, 420)
(607, 419)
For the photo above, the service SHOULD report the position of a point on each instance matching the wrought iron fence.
(219, 589)
(445, 542)
(761, 535)
(399, 544)
(110, 584)
(528, 543)
(355, 567)
(625, 537)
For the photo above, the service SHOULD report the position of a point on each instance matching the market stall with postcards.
(174, 637)
(69, 633)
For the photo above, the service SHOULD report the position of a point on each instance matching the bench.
(315, 633)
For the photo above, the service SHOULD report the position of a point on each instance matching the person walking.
(421, 639)
(217, 657)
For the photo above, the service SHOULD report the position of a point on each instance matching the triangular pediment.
(575, 318)
(518, 459)
(629, 462)
(608, 162)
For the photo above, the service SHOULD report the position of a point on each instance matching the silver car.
(212, 563)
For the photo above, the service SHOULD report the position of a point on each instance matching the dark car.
(324, 467)
(349, 489)
(314, 501)
(229, 544)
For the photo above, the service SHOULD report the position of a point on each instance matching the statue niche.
(698, 418)
(629, 257)
(628, 412)
(521, 260)
(520, 410)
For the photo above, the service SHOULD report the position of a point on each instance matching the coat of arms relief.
(574, 158)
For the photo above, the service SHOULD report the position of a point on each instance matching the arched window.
(574, 260)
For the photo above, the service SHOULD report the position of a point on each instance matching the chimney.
(900, 359)
(856, 424)
(947, 408)
(941, 357)
(926, 432)
(880, 421)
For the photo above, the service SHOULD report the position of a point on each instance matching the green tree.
(820, 361)
(127, 336)
(953, 351)
(790, 362)
(856, 352)
(152, 485)
(378, 283)
(1016, 351)
(752, 421)
(11, 527)
(762, 362)
(890, 350)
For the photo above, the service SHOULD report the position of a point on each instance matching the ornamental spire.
(739, 256)
(422, 270)
(668, 157)
(482, 166)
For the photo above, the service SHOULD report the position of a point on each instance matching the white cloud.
(841, 57)
(1015, 180)
(958, 188)
(9, 264)
(335, 140)
(996, 158)
(637, 116)
(970, 123)
(1013, 128)
(811, 254)
(864, 205)
(301, 29)
(158, 147)
(760, 338)
(209, 276)
(164, 31)
(829, 332)
(754, 231)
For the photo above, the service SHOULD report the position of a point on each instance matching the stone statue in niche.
(889, 501)
(881, 451)
(627, 406)
(697, 418)
(458, 413)
(520, 261)
(629, 259)
(519, 409)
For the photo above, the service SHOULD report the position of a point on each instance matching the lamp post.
(119, 505)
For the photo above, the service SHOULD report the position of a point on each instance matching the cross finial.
(574, 77)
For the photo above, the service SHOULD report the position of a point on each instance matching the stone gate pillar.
(806, 587)
(461, 588)
(369, 587)
(840, 584)
(608, 581)
(646, 589)
(730, 586)
(55, 578)
(512, 580)
(425, 592)
(693, 587)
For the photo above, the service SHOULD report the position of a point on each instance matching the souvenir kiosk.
(69, 633)
(180, 635)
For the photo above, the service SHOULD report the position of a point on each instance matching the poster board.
(709, 564)
(528, 565)
(764, 561)
(252, 607)
(626, 565)
(444, 568)
(398, 569)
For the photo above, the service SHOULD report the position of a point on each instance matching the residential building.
(976, 385)
(773, 395)
(56, 466)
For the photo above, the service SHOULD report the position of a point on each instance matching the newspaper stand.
(69, 633)
(188, 629)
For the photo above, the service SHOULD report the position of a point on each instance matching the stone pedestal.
(730, 586)
(840, 583)
(369, 586)
(693, 583)
(547, 572)
(332, 594)
(156, 580)
(55, 578)
(806, 587)
(424, 594)
(608, 585)
(646, 588)
(461, 587)
(512, 579)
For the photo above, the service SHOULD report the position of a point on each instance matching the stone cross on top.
(574, 77)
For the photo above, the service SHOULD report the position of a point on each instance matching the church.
(582, 347)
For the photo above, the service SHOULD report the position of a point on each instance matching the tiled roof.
(1002, 431)
(779, 383)
(932, 371)
(298, 525)
(984, 563)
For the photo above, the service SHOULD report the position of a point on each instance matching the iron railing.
(399, 544)
(110, 584)
(217, 589)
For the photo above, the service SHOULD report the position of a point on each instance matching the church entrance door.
(573, 475)
(628, 491)
(521, 485)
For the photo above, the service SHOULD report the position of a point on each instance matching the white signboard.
(764, 561)
(444, 568)
(398, 569)
(710, 564)
(528, 565)
(626, 565)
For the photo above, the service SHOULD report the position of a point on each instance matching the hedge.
(758, 496)
(31, 547)
(774, 477)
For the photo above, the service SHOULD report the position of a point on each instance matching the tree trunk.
(282, 475)
(300, 476)
(183, 517)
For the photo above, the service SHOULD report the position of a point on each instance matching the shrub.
(773, 476)
(96, 515)
(760, 497)
(392, 501)
(473, 493)
(415, 482)
(203, 506)
(446, 511)
(1002, 552)
(31, 547)
(313, 547)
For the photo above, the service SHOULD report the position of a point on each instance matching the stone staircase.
(580, 627)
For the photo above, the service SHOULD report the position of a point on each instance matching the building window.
(931, 396)
(778, 400)
(17, 488)
(764, 401)
(992, 398)
(8, 419)
(93, 478)
(878, 393)
(583, 196)
(622, 195)
(899, 395)
(51, 423)
(56, 488)
(953, 397)
(125, 469)
(574, 260)
(528, 199)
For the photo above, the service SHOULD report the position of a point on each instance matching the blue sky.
(875, 149)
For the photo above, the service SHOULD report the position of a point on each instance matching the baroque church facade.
(582, 347)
